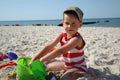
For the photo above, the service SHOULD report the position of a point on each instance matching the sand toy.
(38, 70)
(12, 74)
(3, 56)
(11, 63)
(33, 71)
(12, 56)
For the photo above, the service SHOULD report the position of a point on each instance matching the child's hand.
(41, 59)
(30, 62)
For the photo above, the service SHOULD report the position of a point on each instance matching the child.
(71, 49)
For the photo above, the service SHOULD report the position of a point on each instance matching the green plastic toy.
(38, 70)
(33, 71)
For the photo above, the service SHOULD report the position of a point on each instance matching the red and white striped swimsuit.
(74, 57)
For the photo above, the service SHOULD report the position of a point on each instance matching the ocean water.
(97, 22)
(103, 22)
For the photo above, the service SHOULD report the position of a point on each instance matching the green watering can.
(33, 71)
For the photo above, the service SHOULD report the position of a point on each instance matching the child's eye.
(67, 23)
(73, 24)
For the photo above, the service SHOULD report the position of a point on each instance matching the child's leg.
(55, 66)
(72, 74)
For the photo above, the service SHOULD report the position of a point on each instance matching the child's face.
(71, 24)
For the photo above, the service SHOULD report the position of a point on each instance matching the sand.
(102, 48)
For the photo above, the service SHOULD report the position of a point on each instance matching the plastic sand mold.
(3, 56)
(12, 56)
(23, 70)
(34, 71)
(11, 63)
(38, 70)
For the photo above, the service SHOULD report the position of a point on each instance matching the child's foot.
(91, 72)
(51, 76)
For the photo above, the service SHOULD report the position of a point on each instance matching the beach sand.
(102, 48)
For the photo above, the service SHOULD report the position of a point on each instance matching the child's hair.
(74, 11)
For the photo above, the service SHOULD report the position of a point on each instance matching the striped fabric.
(74, 57)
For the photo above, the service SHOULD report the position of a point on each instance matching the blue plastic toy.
(12, 56)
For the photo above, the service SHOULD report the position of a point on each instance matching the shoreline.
(102, 49)
(106, 22)
(84, 26)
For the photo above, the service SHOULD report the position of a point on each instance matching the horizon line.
(56, 19)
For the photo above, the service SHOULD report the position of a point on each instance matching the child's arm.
(46, 49)
(70, 45)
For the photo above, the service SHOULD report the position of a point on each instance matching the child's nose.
(69, 25)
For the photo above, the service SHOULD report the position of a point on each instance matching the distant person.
(72, 47)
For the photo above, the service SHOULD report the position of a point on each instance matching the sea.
(93, 22)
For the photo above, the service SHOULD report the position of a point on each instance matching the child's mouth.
(70, 30)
